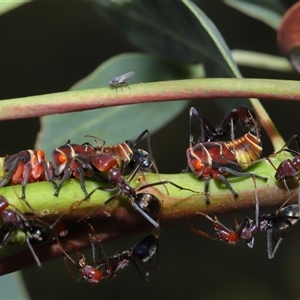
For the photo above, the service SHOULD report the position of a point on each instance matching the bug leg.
(228, 185)
(60, 184)
(206, 192)
(5, 180)
(241, 174)
(25, 179)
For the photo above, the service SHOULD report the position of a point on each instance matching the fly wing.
(125, 77)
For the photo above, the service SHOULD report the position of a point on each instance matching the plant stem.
(57, 103)
(119, 219)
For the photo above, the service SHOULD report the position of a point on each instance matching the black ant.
(288, 168)
(140, 201)
(275, 224)
(213, 158)
(35, 230)
(140, 254)
(107, 268)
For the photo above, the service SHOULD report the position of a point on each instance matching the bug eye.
(62, 158)
(41, 153)
(198, 165)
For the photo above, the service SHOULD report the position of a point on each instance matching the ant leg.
(25, 179)
(206, 192)
(294, 137)
(162, 183)
(137, 207)
(33, 252)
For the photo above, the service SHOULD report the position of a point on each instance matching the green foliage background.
(49, 47)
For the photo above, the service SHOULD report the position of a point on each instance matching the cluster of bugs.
(216, 153)
(101, 162)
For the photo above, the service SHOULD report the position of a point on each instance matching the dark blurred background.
(46, 47)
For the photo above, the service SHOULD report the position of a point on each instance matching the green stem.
(56, 103)
(119, 219)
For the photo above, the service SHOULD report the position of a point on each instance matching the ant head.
(286, 170)
(90, 274)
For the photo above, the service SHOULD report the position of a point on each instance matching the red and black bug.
(25, 167)
(73, 160)
(127, 154)
(211, 158)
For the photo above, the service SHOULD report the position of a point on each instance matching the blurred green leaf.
(261, 60)
(8, 5)
(269, 12)
(13, 287)
(177, 30)
(117, 124)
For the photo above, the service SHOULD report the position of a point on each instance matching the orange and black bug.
(127, 154)
(211, 158)
(25, 167)
(73, 160)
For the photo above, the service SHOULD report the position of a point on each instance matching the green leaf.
(269, 12)
(8, 5)
(117, 124)
(177, 30)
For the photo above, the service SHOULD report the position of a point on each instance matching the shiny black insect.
(121, 80)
